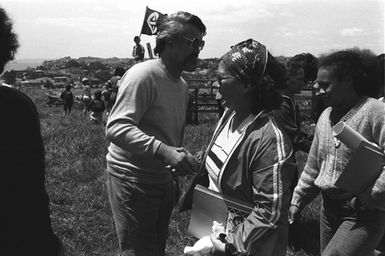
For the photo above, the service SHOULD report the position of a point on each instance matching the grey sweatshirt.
(150, 109)
(326, 162)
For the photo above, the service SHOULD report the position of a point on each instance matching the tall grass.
(75, 181)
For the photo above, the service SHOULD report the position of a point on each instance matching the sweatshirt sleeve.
(306, 190)
(136, 94)
(272, 170)
(378, 125)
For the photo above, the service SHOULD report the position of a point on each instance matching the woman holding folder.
(351, 225)
(249, 158)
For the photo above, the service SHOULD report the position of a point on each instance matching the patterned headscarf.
(247, 61)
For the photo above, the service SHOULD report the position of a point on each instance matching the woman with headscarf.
(249, 158)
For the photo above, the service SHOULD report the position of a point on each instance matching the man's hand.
(178, 158)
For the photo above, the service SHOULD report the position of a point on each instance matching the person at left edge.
(25, 222)
(145, 129)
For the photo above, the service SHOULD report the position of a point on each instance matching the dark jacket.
(97, 106)
(289, 119)
(25, 223)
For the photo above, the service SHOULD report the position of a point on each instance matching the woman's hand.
(199, 157)
(219, 247)
(294, 213)
(202, 247)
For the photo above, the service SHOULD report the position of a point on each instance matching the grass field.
(75, 181)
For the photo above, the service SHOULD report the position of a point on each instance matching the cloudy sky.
(105, 28)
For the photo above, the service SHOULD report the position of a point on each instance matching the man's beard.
(190, 63)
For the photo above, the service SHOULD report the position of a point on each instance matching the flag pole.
(144, 20)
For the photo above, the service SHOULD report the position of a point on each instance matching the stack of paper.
(209, 206)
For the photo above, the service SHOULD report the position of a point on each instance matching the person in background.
(318, 106)
(138, 50)
(218, 99)
(112, 86)
(96, 107)
(86, 96)
(106, 94)
(301, 69)
(351, 225)
(288, 115)
(249, 157)
(190, 109)
(68, 99)
(25, 222)
(309, 65)
(145, 129)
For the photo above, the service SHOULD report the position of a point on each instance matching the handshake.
(179, 159)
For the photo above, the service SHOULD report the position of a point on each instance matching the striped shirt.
(222, 148)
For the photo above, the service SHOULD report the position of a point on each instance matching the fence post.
(211, 90)
(196, 94)
(313, 101)
(149, 50)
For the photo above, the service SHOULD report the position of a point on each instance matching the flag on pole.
(151, 18)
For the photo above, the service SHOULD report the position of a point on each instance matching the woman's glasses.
(195, 42)
(220, 79)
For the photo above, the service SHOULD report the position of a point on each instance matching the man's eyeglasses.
(195, 42)
(321, 85)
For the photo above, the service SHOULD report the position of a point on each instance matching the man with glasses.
(145, 129)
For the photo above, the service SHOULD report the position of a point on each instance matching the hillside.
(46, 73)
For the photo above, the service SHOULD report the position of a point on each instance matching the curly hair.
(8, 39)
(170, 26)
(351, 63)
(380, 72)
(307, 62)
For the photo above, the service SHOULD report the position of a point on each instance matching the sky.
(105, 28)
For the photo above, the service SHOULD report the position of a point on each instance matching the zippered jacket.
(259, 171)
